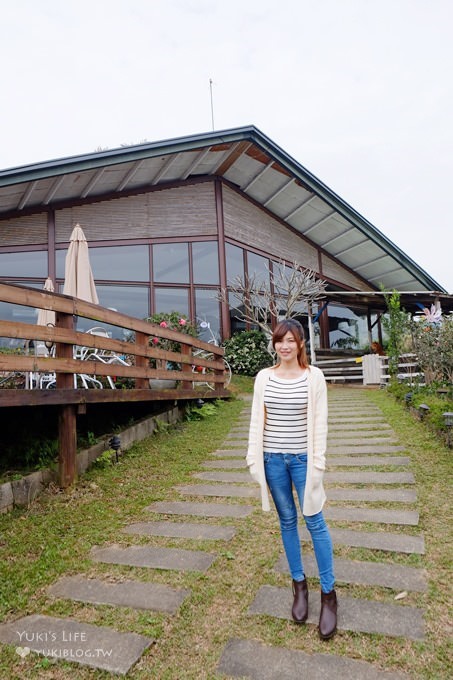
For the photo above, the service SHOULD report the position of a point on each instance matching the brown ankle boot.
(328, 615)
(300, 605)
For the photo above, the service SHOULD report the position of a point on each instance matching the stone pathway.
(358, 438)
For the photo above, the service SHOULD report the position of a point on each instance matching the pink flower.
(182, 322)
(155, 341)
(164, 324)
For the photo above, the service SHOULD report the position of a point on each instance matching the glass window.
(171, 263)
(258, 267)
(208, 312)
(60, 258)
(234, 262)
(348, 328)
(205, 262)
(237, 324)
(32, 264)
(18, 313)
(131, 300)
(172, 300)
(120, 263)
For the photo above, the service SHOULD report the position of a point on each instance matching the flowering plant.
(174, 322)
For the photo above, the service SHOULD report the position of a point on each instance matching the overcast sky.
(360, 92)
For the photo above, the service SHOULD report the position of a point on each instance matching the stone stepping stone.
(234, 443)
(257, 661)
(209, 532)
(335, 460)
(353, 411)
(381, 436)
(358, 450)
(234, 453)
(132, 594)
(369, 477)
(243, 477)
(330, 477)
(394, 576)
(221, 490)
(372, 495)
(82, 643)
(377, 515)
(225, 464)
(154, 558)
(358, 615)
(200, 509)
(386, 443)
(358, 418)
(380, 540)
(374, 427)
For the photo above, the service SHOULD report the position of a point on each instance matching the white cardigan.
(314, 497)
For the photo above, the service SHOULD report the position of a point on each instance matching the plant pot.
(159, 384)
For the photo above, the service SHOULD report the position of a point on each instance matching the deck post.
(141, 340)
(67, 417)
(67, 445)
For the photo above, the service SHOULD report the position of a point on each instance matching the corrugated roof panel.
(243, 170)
(270, 182)
(309, 215)
(366, 253)
(290, 200)
(337, 235)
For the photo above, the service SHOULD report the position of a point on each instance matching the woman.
(287, 445)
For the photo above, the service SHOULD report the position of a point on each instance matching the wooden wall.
(21, 231)
(183, 211)
(247, 223)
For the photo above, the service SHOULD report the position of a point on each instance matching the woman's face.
(287, 348)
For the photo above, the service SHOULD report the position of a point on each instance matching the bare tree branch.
(289, 291)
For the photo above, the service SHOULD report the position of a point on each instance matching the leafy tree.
(396, 325)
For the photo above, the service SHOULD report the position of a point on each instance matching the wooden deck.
(144, 361)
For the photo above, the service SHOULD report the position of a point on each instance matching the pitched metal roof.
(247, 159)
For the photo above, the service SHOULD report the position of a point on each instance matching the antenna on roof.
(212, 103)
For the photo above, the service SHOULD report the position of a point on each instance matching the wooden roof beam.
(347, 250)
(196, 162)
(317, 224)
(129, 175)
(373, 261)
(53, 189)
(164, 169)
(279, 191)
(254, 179)
(93, 181)
(27, 194)
(235, 153)
(299, 207)
(335, 238)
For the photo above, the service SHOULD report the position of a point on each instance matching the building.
(170, 223)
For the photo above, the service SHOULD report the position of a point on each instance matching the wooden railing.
(140, 352)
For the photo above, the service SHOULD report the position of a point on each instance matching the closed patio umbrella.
(46, 316)
(78, 280)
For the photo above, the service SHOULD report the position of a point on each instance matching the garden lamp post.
(408, 399)
(115, 444)
(423, 410)
(448, 417)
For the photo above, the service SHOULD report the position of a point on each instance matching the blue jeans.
(283, 470)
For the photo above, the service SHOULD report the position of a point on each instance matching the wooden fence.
(145, 361)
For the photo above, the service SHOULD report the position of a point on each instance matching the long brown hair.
(296, 328)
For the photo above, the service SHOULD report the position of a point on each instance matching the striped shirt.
(286, 401)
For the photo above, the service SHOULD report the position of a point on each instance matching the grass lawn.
(54, 537)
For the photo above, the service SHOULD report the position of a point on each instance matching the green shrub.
(246, 352)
